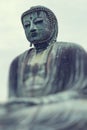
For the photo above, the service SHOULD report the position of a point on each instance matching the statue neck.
(41, 47)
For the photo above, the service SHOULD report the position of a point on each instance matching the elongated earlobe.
(30, 44)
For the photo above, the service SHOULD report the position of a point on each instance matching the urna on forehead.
(35, 14)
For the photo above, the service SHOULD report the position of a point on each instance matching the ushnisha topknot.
(51, 16)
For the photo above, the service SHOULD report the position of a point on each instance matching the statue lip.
(33, 34)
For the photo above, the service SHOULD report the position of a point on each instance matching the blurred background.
(72, 19)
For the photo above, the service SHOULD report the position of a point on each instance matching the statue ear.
(30, 44)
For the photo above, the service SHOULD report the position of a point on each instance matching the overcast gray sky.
(72, 19)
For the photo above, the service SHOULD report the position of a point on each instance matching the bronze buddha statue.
(48, 82)
(50, 67)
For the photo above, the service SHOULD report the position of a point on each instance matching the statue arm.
(12, 81)
(72, 69)
(71, 78)
(79, 71)
(49, 99)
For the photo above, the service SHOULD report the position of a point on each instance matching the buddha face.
(37, 27)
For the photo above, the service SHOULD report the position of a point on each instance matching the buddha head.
(40, 26)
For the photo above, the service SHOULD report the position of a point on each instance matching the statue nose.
(33, 30)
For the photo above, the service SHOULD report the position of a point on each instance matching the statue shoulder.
(67, 51)
(66, 46)
(20, 58)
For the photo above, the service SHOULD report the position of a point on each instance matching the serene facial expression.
(36, 26)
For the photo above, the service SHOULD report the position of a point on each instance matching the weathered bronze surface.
(51, 77)
(50, 67)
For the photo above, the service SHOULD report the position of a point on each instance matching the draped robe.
(65, 69)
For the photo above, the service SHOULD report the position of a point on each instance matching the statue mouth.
(33, 34)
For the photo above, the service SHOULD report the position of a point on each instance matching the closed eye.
(27, 25)
(38, 21)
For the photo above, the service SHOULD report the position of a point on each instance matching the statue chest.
(36, 74)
